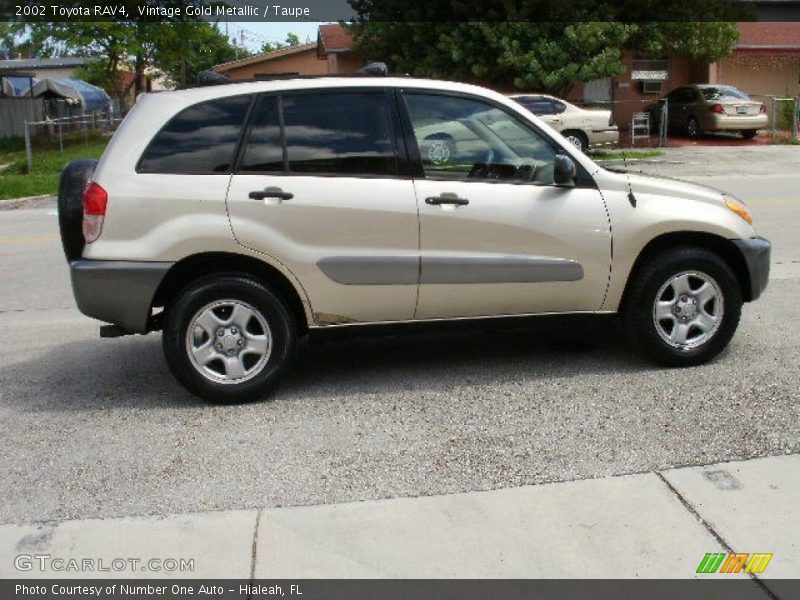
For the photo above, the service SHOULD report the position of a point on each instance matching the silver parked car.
(237, 218)
(701, 108)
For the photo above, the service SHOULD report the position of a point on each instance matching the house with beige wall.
(765, 61)
(331, 54)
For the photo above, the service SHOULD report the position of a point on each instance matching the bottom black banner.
(396, 589)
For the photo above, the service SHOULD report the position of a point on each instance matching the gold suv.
(235, 218)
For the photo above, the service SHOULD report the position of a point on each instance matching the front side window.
(199, 139)
(469, 139)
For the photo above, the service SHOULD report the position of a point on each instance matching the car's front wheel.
(577, 139)
(228, 338)
(683, 307)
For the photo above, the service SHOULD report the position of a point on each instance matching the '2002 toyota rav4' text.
(235, 218)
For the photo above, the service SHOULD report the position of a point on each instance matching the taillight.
(763, 109)
(95, 200)
(717, 108)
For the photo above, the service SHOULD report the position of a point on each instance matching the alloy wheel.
(688, 310)
(228, 341)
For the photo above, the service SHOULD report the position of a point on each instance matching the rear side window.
(342, 133)
(199, 139)
(264, 152)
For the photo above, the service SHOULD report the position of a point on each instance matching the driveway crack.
(712, 531)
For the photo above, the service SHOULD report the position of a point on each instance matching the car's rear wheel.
(749, 134)
(693, 128)
(577, 139)
(683, 307)
(228, 338)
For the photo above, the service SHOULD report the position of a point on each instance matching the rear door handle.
(446, 199)
(271, 192)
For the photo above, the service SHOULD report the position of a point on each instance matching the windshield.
(724, 93)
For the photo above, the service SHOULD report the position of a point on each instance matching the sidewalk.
(651, 525)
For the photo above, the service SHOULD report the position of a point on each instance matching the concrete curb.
(27, 202)
(651, 525)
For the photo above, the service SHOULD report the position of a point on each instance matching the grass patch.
(48, 161)
(626, 154)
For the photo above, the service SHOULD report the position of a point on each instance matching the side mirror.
(564, 171)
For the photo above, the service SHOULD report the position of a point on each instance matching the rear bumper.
(609, 135)
(115, 291)
(756, 253)
(734, 123)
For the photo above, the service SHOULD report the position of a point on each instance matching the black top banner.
(400, 10)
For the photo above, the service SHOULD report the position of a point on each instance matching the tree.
(179, 50)
(185, 49)
(511, 48)
(109, 43)
(292, 40)
(12, 44)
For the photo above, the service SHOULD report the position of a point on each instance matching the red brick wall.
(627, 94)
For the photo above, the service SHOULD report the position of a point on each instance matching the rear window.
(200, 139)
(538, 106)
(724, 93)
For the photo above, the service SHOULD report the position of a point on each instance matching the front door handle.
(446, 199)
(271, 192)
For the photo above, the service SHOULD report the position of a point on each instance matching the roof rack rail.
(206, 78)
(374, 69)
(211, 78)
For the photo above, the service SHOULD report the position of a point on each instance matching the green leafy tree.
(110, 44)
(13, 44)
(185, 49)
(513, 48)
(291, 40)
(179, 50)
(705, 40)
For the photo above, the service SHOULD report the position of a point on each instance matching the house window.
(652, 87)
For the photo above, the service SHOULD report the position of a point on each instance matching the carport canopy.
(75, 91)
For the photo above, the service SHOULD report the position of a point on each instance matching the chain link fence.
(645, 123)
(68, 134)
(784, 113)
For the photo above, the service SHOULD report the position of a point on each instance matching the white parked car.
(580, 126)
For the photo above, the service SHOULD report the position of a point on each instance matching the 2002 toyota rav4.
(237, 217)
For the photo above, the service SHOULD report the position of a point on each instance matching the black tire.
(579, 136)
(71, 186)
(192, 300)
(639, 305)
(693, 128)
(749, 134)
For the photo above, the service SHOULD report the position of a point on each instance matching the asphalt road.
(94, 428)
